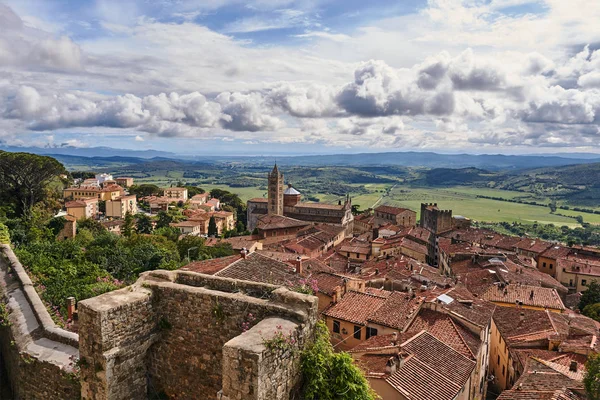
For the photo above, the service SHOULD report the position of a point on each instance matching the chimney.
(395, 339)
(337, 294)
(573, 366)
(70, 308)
(402, 356)
(298, 265)
(391, 365)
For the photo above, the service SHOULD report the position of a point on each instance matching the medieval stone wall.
(37, 356)
(167, 335)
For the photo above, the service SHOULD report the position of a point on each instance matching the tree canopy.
(590, 296)
(591, 381)
(24, 179)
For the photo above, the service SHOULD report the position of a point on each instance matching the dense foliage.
(590, 296)
(25, 181)
(591, 381)
(329, 375)
(586, 235)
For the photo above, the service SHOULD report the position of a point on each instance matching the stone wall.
(37, 356)
(178, 334)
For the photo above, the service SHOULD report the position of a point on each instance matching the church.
(287, 202)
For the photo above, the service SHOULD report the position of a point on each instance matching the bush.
(329, 375)
(4, 234)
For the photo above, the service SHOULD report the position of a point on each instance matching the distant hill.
(89, 151)
(98, 156)
(492, 162)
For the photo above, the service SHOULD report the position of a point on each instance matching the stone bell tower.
(275, 196)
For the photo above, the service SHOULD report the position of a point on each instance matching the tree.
(145, 189)
(592, 311)
(144, 223)
(590, 296)
(4, 234)
(194, 190)
(355, 209)
(170, 232)
(591, 380)
(329, 375)
(212, 227)
(163, 219)
(102, 206)
(127, 228)
(24, 179)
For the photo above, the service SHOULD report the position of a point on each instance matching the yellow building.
(517, 328)
(83, 208)
(120, 206)
(176, 193)
(111, 192)
(124, 181)
(83, 192)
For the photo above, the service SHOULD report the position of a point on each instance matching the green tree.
(24, 179)
(194, 190)
(163, 219)
(145, 189)
(57, 224)
(329, 375)
(144, 223)
(4, 234)
(213, 231)
(194, 244)
(127, 227)
(169, 232)
(592, 311)
(591, 380)
(590, 296)
(91, 225)
(355, 209)
(102, 206)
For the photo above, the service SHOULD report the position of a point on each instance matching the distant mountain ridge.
(494, 162)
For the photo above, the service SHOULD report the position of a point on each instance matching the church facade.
(287, 202)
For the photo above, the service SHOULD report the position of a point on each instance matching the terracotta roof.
(355, 307)
(444, 328)
(211, 267)
(258, 200)
(532, 325)
(327, 282)
(558, 394)
(391, 210)
(533, 245)
(556, 252)
(190, 222)
(544, 376)
(397, 311)
(432, 371)
(268, 222)
(83, 188)
(320, 205)
(529, 295)
(374, 365)
(381, 342)
(258, 268)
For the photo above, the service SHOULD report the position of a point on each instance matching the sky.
(302, 76)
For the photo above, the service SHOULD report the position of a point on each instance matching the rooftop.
(528, 295)
(355, 307)
(397, 311)
(391, 210)
(268, 222)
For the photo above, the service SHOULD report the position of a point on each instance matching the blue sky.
(306, 76)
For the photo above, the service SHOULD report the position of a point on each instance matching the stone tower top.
(275, 192)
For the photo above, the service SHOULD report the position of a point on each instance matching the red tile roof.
(529, 295)
(397, 311)
(211, 267)
(445, 329)
(432, 371)
(268, 222)
(391, 210)
(355, 307)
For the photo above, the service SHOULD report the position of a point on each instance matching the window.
(336, 326)
(503, 370)
(498, 359)
(550, 266)
(371, 332)
(544, 265)
(357, 331)
(584, 282)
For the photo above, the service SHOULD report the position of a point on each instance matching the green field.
(462, 200)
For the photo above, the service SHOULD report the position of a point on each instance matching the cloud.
(138, 138)
(29, 48)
